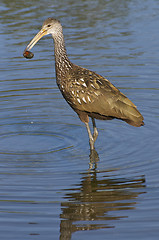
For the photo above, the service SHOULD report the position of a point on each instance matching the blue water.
(49, 186)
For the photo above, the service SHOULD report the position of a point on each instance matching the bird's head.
(50, 26)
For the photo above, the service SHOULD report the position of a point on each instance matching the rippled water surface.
(49, 186)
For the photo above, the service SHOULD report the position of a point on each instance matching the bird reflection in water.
(92, 204)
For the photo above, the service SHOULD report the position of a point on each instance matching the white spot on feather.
(89, 99)
(92, 85)
(84, 85)
(82, 79)
(84, 100)
(100, 82)
(69, 102)
(79, 100)
(96, 94)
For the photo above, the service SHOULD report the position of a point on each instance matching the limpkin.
(88, 93)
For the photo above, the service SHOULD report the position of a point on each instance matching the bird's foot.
(94, 158)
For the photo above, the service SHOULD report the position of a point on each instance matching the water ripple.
(28, 143)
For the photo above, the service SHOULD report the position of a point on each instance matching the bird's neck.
(62, 63)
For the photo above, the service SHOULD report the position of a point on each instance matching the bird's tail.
(129, 112)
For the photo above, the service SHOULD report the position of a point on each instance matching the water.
(49, 188)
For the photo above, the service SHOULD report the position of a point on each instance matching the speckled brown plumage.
(88, 93)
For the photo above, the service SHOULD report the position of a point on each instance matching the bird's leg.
(95, 131)
(91, 139)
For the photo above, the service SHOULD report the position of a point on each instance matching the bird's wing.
(91, 92)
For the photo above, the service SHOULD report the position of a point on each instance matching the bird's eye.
(49, 25)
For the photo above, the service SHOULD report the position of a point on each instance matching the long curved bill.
(38, 36)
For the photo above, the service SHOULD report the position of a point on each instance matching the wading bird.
(88, 93)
